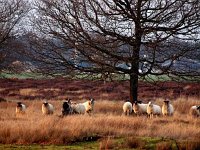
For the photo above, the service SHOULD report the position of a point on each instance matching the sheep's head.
(166, 102)
(68, 100)
(89, 104)
(137, 102)
(19, 104)
(150, 104)
(45, 104)
(92, 101)
(135, 106)
(66, 105)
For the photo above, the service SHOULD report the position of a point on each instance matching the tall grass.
(106, 120)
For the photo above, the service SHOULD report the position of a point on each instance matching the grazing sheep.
(47, 108)
(139, 108)
(66, 107)
(167, 108)
(195, 111)
(82, 108)
(127, 108)
(20, 108)
(153, 109)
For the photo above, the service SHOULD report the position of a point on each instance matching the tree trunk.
(133, 87)
(134, 77)
(134, 73)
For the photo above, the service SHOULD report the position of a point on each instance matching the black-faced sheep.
(153, 109)
(66, 107)
(195, 111)
(20, 108)
(47, 108)
(127, 108)
(167, 108)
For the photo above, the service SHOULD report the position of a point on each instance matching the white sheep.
(153, 109)
(47, 108)
(20, 108)
(127, 108)
(195, 111)
(139, 108)
(82, 108)
(167, 108)
(78, 108)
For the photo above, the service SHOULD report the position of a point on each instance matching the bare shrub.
(135, 143)
(164, 146)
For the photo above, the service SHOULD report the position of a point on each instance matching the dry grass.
(107, 143)
(194, 145)
(107, 120)
(133, 142)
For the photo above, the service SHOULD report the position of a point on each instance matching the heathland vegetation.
(106, 127)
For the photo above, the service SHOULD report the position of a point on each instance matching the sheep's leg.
(88, 112)
(147, 115)
(151, 115)
(128, 113)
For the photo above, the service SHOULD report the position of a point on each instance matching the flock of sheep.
(87, 107)
(67, 107)
(152, 109)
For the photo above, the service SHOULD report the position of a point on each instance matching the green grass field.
(25, 75)
(114, 143)
(120, 77)
(29, 75)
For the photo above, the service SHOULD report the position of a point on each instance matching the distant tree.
(11, 13)
(138, 38)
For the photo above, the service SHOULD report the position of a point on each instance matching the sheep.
(82, 108)
(127, 108)
(20, 108)
(66, 107)
(153, 109)
(195, 111)
(89, 105)
(167, 108)
(139, 108)
(47, 108)
(78, 108)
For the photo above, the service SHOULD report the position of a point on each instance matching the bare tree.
(11, 13)
(138, 38)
